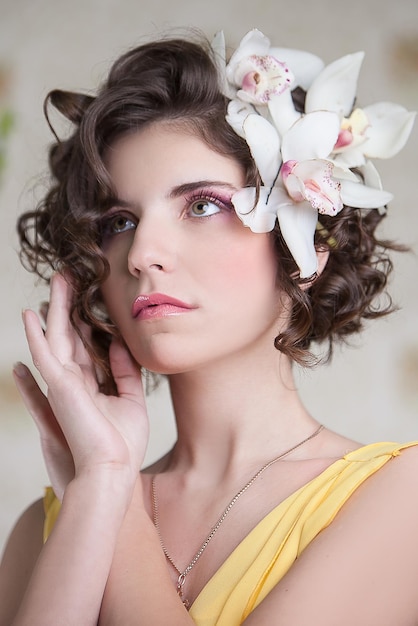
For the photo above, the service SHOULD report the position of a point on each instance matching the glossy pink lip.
(158, 305)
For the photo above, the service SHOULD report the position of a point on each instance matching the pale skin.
(236, 407)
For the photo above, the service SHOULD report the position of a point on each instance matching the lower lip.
(160, 310)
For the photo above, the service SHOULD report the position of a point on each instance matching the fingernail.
(20, 370)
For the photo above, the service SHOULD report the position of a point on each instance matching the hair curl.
(176, 81)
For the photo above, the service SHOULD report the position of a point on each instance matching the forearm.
(69, 579)
(139, 590)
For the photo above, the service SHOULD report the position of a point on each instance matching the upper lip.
(153, 299)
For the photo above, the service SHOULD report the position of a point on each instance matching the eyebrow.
(180, 190)
(176, 192)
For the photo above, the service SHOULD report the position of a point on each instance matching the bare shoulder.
(390, 493)
(19, 558)
(363, 568)
(396, 483)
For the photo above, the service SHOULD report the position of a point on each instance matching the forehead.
(168, 156)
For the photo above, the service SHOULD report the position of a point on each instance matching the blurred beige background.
(369, 393)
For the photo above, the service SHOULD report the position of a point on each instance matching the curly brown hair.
(176, 81)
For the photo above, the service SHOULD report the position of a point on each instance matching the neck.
(250, 418)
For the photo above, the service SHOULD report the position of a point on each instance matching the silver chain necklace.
(182, 574)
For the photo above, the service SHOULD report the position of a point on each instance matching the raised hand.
(82, 430)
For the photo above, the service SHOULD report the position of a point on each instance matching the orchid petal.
(342, 173)
(304, 65)
(371, 176)
(219, 56)
(363, 197)
(297, 225)
(237, 114)
(353, 157)
(282, 112)
(313, 136)
(390, 127)
(259, 218)
(219, 50)
(264, 143)
(335, 87)
(244, 96)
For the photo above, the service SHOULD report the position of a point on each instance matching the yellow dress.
(265, 555)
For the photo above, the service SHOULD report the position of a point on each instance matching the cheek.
(257, 257)
(114, 292)
(248, 266)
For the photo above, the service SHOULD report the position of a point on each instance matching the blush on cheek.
(253, 263)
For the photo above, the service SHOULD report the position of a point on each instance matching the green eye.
(203, 208)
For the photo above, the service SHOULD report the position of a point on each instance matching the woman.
(183, 232)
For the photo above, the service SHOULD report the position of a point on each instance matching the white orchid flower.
(317, 161)
(257, 75)
(308, 184)
(303, 66)
(264, 77)
(305, 187)
(307, 173)
(377, 131)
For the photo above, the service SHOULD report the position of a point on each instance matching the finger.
(44, 361)
(125, 372)
(59, 332)
(66, 343)
(36, 402)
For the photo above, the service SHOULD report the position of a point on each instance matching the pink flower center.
(345, 137)
(268, 77)
(353, 130)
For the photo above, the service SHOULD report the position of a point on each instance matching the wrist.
(105, 487)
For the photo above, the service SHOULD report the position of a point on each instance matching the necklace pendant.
(180, 583)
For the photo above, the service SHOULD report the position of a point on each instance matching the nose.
(153, 247)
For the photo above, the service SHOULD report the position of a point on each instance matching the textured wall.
(368, 393)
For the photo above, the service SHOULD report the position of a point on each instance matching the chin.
(167, 355)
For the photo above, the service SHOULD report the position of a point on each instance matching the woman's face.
(189, 285)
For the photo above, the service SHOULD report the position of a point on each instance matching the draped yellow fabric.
(265, 555)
